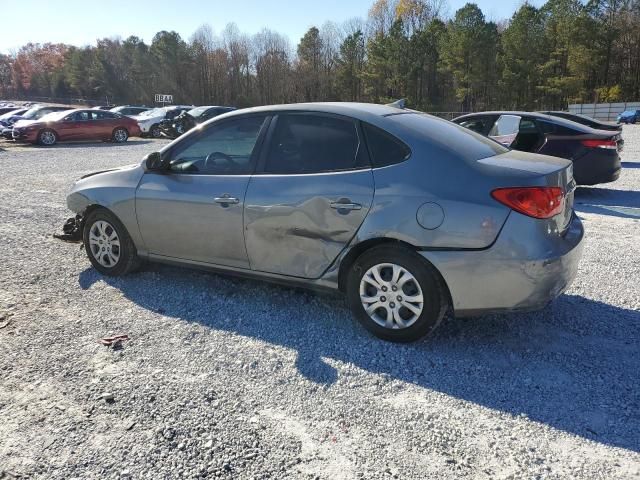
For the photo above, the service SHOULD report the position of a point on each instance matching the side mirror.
(153, 161)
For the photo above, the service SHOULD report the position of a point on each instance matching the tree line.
(564, 52)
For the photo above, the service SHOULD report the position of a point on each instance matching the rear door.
(313, 189)
(103, 124)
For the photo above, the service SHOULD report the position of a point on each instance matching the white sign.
(164, 98)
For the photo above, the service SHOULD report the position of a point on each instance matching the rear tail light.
(536, 202)
(608, 143)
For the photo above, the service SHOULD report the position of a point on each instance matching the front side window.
(224, 149)
(308, 143)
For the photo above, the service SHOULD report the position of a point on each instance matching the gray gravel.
(237, 379)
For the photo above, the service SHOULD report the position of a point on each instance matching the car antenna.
(398, 103)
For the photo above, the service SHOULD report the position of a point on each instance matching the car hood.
(141, 119)
(24, 123)
(100, 172)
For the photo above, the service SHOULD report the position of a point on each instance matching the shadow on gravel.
(607, 201)
(573, 366)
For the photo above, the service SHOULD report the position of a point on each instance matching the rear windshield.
(455, 138)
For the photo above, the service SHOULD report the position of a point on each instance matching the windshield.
(156, 112)
(11, 114)
(32, 114)
(54, 116)
(196, 112)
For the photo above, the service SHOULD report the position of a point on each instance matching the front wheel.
(47, 138)
(120, 135)
(108, 244)
(155, 131)
(395, 294)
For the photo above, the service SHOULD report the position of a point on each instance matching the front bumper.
(21, 135)
(144, 127)
(525, 269)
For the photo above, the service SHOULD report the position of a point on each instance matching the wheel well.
(45, 129)
(359, 249)
(120, 127)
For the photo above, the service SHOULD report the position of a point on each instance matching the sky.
(82, 22)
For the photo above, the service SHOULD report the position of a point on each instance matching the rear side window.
(384, 148)
(310, 143)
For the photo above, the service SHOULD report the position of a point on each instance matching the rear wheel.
(395, 294)
(47, 137)
(120, 135)
(108, 244)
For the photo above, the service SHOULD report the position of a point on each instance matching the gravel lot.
(238, 379)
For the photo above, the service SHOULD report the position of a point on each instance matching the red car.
(81, 124)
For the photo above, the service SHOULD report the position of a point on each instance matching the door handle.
(226, 200)
(345, 206)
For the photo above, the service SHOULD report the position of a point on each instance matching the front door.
(73, 125)
(194, 210)
(312, 192)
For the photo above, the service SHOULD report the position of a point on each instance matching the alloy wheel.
(391, 296)
(48, 138)
(104, 243)
(120, 135)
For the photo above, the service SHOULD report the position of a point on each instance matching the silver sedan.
(408, 215)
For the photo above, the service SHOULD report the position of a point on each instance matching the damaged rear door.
(312, 191)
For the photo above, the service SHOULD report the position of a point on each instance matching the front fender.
(114, 190)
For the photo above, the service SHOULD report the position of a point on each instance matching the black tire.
(120, 135)
(47, 137)
(155, 131)
(434, 298)
(127, 261)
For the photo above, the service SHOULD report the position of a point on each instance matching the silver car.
(407, 214)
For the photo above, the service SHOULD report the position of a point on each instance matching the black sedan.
(173, 128)
(594, 152)
(585, 120)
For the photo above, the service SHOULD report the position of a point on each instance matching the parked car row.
(593, 146)
(108, 123)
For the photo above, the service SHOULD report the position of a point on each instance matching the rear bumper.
(524, 270)
(597, 166)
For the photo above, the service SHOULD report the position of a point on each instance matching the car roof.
(361, 111)
(540, 116)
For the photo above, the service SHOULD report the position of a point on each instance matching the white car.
(149, 121)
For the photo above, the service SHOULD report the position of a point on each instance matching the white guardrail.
(603, 111)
